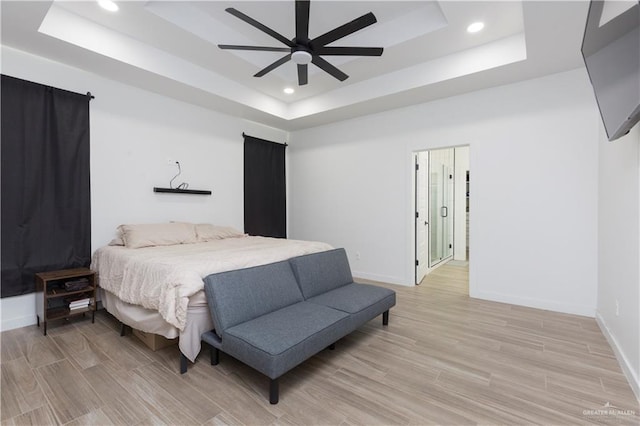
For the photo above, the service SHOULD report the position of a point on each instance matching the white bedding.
(163, 278)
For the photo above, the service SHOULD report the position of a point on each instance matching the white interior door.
(422, 214)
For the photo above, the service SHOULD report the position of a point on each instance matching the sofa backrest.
(238, 296)
(318, 273)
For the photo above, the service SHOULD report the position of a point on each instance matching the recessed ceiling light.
(288, 90)
(475, 27)
(108, 5)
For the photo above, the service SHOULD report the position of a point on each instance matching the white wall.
(619, 249)
(533, 153)
(133, 133)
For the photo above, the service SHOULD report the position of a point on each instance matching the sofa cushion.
(353, 298)
(242, 295)
(321, 272)
(280, 340)
(362, 301)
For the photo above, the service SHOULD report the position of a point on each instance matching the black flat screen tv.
(611, 52)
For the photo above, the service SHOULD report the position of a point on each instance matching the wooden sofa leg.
(183, 363)
(332, 346)
(215, 355)
(274, 392)
(385, 318)
(123, 329)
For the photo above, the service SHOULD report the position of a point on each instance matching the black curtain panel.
(46, 206)
(265, 192)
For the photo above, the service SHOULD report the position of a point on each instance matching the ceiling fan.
(302, 50)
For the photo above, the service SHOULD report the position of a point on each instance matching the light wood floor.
(444, 359)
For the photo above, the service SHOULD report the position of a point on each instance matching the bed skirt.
(150, 321)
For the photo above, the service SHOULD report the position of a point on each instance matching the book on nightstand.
(79, 302)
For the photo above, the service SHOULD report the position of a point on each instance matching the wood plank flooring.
(443, 359)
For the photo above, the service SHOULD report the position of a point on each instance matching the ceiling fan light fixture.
(301, 57)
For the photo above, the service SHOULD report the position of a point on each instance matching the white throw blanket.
(163, 278)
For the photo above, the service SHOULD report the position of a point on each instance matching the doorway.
(441, 208)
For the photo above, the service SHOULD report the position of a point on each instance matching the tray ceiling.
(170, 47)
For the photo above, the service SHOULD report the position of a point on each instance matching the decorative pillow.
(117, 241)
(157, 234)
(208, 232)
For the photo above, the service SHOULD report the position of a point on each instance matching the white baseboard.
(12, 323)
(547, 305)
(17, 311)
(379, 278)
(627, 369)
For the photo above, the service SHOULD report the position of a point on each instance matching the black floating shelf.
(182, 191)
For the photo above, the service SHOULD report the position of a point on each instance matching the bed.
(151, 276)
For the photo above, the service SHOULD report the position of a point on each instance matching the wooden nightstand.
(57, 299)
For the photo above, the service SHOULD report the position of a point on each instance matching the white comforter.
(163, 278)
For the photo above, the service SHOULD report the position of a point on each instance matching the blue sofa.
(273, 317)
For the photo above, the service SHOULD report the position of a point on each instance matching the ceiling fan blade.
(350, 51)
(260, 48)
(326, 66)
(302, 20)
(273, 66)
(344, 30)
(303, 74)
(260, 26)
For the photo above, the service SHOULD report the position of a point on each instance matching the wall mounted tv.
(611, 52)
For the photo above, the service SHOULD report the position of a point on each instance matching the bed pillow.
(117, 241)
(208, 232)
(157, 234)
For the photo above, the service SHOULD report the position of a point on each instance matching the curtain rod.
(89, 95)
(244, 135)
